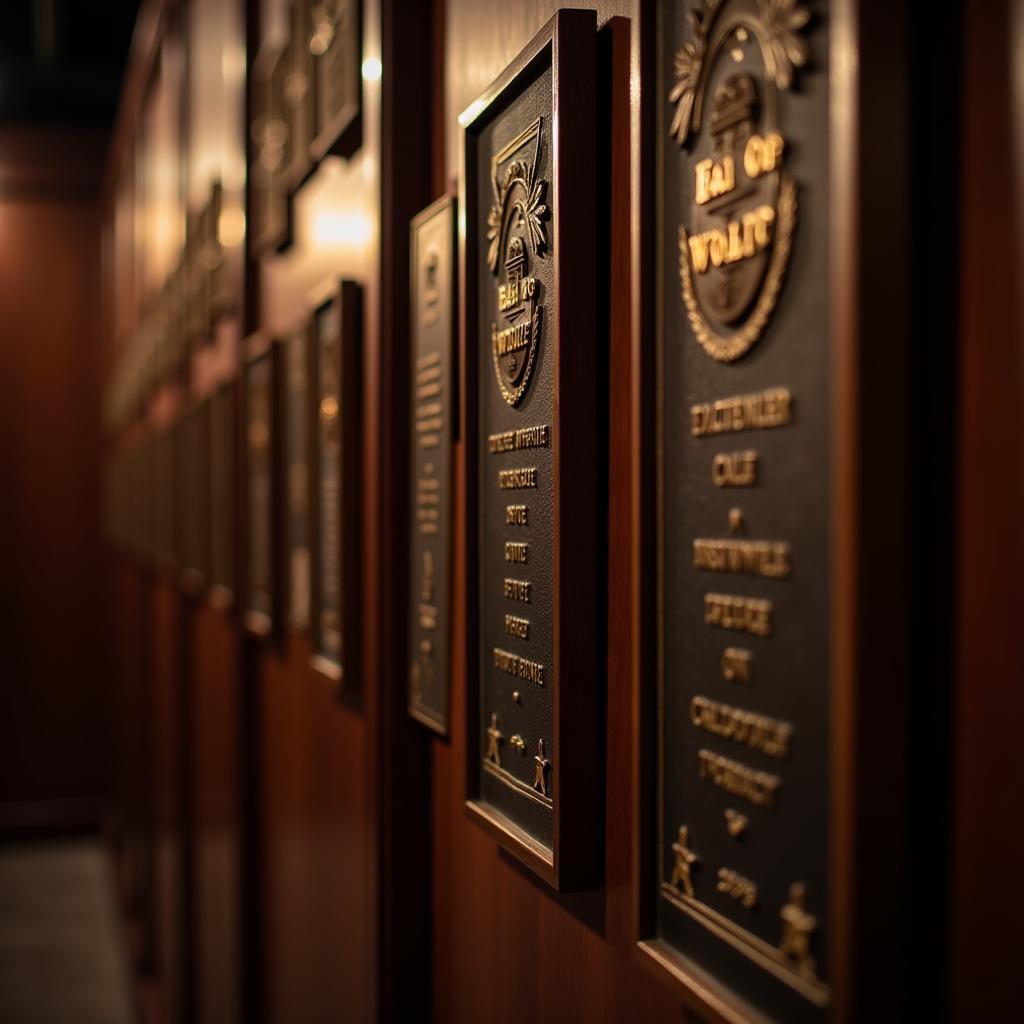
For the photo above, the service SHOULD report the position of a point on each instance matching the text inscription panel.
(516, 346)
(744, 426)
(430, 452)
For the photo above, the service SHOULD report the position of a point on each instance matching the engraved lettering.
(517, 515)
(518, 590)
(759, 788)
(760, 732)
(517, 479)
(517, 627)
(736, 664)
(521, 668)
(760, 411)
(738, 887)
(516, 551)
(734, 469)
(744, 614)
(754, 557)
(518, 440)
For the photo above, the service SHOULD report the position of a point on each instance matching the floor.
(62, 958)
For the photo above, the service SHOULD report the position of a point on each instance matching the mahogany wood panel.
(56, 710)
(216, 805)
(164, 674)
(318, 950)
(986, 948)
(310, 755)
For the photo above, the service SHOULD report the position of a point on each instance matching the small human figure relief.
(494, 738)
(518, 742)
(685, 859)
(539, 777)
(797, 925)
(735, 520)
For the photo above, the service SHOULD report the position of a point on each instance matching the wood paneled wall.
(56, 701)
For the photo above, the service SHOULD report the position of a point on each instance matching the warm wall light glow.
(332, 227)
(231, 226)
(372, 69)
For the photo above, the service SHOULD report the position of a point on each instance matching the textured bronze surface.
(222, 492)
(743, 381)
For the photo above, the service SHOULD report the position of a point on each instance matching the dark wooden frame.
(448, 202)
(872, 958)
(342, 134)
(344, 677)
(569, 42)
(258, 623)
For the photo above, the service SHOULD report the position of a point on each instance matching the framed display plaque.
(432, 403)
(262, 493)
(531, 351)
(296, 474)
(336, 43)
(269, 160)
(734, 886)
(298, 97)
(222, 491)
(336, 486)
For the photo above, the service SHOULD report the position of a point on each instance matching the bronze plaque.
(296, 425)
(743, 387)
(261, 439)
(432, 407)
(270, 156)
(336, 44)
(336, 482)
(222, 494)
(531, 349)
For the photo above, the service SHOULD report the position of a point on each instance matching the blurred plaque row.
(306, 100)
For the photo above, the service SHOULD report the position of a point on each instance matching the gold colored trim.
(762, 953)
(517, 784)
(727, 348)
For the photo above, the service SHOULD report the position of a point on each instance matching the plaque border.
(568, 42)
(256, 623)
(447, 202)
(344, 677)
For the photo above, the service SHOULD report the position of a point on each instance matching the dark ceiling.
(63, 60)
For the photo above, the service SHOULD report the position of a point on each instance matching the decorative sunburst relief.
(734, 251)
(516, 233)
